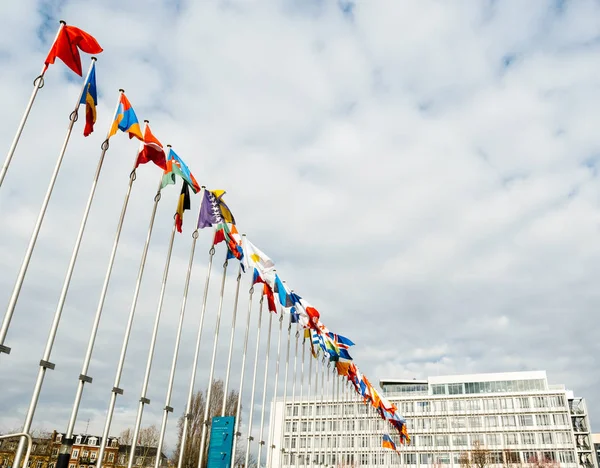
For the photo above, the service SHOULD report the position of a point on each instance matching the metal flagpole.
(45, 361)
(300, 401)
(242, 372)
(233, 319)
(324, 419)
(313, 454)
(143, 398)
(116, 390)
(294, 454)
(65, 449)
(261, 442)
(36, 230)
(250, 438)
(167, 409)
(285, 386)
(188, 407)
(272, 424)
(308, 407)
(38, 84)
(206, 421)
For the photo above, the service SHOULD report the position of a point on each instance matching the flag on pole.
(176, 166)
(90, 99)
(256, 258)
(126, 120)
(214, 211)
(182, 205)
(68, 43)
(151, 150)
(388, 443)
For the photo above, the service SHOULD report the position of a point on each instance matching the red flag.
(152, 150)
(67, 45)
(267, 291)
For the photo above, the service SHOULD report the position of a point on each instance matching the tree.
(477, 457)
(194, 435)
(146, 443)
(542, 462)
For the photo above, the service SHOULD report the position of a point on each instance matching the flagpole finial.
(63, 22)
(94, 59)
(243, 235)
(121, 90)
(204, 186)
(146, 121)
(168, 146)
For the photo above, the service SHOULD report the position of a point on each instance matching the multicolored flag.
(267, 291)
(283, 293)
(151, 150)
(231, 237)
(68, 43)
(126, 120)
(90, 99)
(388, 443)
(213, 210)
(176, 166)
(182, 205)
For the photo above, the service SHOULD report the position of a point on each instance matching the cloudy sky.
(424, 173)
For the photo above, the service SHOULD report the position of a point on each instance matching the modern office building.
(506, 419)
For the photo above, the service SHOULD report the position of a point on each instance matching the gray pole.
(301, 398)
(188, 407)
(294, 454)
(38, 84)
(230, 355)
(65, 449)
(272, 424)
(242, 372)
(29, 252)
(250, 438)
(143, 399)
(261, 442)
(167, 408)
(206, 421)
(45, 361)
(116, 390)
(308, 407)
(285, 386)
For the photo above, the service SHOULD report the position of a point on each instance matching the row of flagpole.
(125, 120)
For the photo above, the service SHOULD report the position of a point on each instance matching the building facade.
(44, 452)
(511, 418)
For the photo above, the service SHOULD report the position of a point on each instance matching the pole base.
(4, 349)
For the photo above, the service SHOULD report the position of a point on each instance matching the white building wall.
(515, 412)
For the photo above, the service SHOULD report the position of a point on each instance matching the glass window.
(566, 457)
(546, 438)
(495, 458)
(543, 419)
(438, 389)
(425, 440)
(475, 422)
(511, 438)
(439, 405)
(75, 453)
(540, 402)
(477, 439)
(423, 407)
(508, 421)
(441, 423)
(512, 457)
(529, 457)
(560, 419)
(493, 439)
(491, 421)
(526, 420)
(410, 458)
(455, 389)
(426, 458)
(459, 440)
(441, 440)
(459, 423)
(442, 458)
(506, 403)
(523, 402)
(473, 404)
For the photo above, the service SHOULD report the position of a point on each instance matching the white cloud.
(425, 175)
